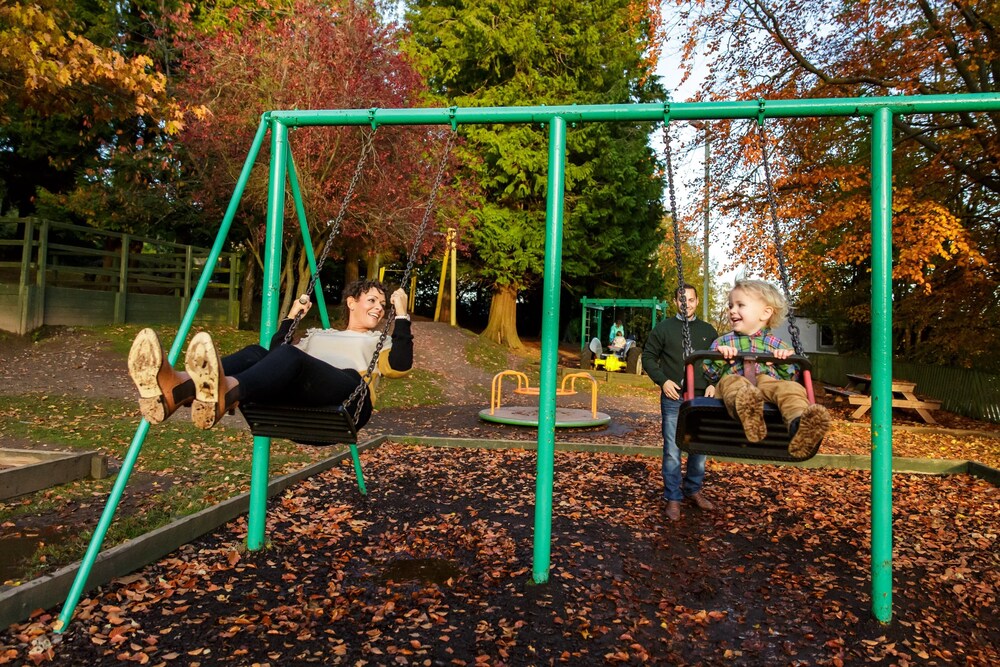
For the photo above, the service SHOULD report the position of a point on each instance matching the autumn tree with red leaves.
(946, 197)
(315, 55)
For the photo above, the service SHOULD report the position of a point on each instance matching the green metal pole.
(269, 315)
(616, 113)
(300, 210)
(881, 411)
(97, 539)
(550, 350)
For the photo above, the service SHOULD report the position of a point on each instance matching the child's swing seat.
(703, 424)
(705, 427)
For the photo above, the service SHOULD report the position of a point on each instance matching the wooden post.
(449, 244)
(24, 289)
(121, 297)
(188, 267)
(41, 271)
(234, 302)
(454, 273)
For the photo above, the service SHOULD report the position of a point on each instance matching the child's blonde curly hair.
(767, 293)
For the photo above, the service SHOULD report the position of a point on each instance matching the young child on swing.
(756, 307)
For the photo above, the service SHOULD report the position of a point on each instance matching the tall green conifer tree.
(516, 52)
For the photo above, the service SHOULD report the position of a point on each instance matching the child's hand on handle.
(302, 304)
(728, 351)
(398, 300)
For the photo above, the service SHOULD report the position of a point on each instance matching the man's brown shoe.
(214, 393)
(161, 389)
(701, 501)
(674, 510)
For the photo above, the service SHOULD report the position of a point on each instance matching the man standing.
(663, 361)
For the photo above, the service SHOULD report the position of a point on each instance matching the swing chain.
(681, 291)
(367, 146)
(793, 329)
(361, 390)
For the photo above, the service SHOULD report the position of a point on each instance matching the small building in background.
(814, 337)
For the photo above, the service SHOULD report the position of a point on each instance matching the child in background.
(755, 307)
(617, 329)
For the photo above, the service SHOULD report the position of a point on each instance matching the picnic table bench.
(858, 392)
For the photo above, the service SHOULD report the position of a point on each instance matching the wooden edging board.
(833, 461)
(35, 469)
(17, 603)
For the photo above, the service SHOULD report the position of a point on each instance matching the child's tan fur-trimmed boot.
(750, 411)
(809, 429)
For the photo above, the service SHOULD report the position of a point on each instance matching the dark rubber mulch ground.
(434, 568)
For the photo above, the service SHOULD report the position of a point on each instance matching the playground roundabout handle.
(528, 415)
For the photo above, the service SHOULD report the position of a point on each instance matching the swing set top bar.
(759, 109)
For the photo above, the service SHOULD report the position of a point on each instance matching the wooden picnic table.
(858, 392)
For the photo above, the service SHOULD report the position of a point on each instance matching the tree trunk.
(303, 275)
(248, 296)
(289, 277)
(351, 272)
(502, 325)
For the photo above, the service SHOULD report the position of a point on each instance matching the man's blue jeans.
(695, 475)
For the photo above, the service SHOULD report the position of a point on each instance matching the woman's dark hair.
(359, 287)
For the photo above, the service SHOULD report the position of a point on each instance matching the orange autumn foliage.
(46, 66)
(946, 176)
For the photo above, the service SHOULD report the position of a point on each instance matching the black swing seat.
(318, 426)
(705, 427)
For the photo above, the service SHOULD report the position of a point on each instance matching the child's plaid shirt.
(762, 342)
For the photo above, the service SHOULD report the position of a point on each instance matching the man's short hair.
(684, 288)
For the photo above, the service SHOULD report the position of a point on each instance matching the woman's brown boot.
(161, 389)
(214, 393)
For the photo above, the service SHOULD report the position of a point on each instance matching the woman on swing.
(322, 369)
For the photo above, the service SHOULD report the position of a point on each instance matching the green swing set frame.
(880, 110)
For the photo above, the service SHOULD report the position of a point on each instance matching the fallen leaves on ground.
(778, 574)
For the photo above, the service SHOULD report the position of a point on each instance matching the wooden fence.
(963, 391)
(60, 274)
